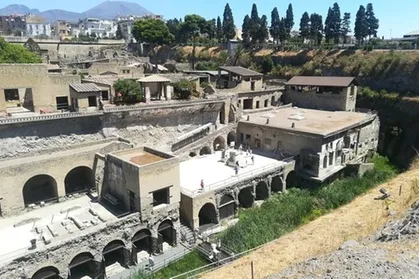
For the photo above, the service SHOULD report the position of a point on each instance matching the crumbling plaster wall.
(153, 127)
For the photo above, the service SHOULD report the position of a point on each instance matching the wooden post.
(251, 265)
(400, 190)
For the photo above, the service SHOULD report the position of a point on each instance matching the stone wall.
(92, 240)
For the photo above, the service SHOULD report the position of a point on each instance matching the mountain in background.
(106, 10)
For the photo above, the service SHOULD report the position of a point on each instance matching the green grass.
(284, 213)
(191, 261)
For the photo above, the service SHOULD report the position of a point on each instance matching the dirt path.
(356, 220)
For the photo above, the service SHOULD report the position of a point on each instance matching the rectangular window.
(62, 103)
(105, 95)
(92, 101)
(11, 94)
(161, 197)
(257, 104)
(266, 103)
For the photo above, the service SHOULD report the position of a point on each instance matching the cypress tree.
(220, 35)
(229, 29)
(245, 30)
(337, 22)
(275, 25)
(361, 25)
(254, 24)
(263, 31)
(305, 26)
(372, 21)
(346, 27)
(289, 20)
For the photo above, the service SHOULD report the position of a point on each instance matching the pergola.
(155, 87)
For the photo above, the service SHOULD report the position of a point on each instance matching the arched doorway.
(81, 266)
(219, 143)
(276, 185)
(142, 240)
(192, 154)
(207, 215)
(205, 151)
(262, 191)
(292, 180)
(246, 198)
(166, 233)
(227, 207)
(40, 188)
(48, 272)
(78, 180)
(273, 103)
(114, 252)
(231, 137)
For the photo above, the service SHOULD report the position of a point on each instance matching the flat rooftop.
(142, 156)
(318, 122)
(218, 175)
(16, 232)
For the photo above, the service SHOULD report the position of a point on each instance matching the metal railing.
(166, 104)
(233, 180)
(51, 116)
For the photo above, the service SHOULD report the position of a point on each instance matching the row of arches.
(85, 265)
(43, 187)
(219, 143)
(246, 199)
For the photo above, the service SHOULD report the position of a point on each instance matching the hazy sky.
(396, 17)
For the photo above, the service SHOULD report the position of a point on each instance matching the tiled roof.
(154, 78)
(84, 87)
(105, 81)
(321, 81)
(241, 71)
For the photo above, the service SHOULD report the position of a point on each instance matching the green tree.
(337, 22)
(210, 28)
(316, 28)
(267, 64)
(346, 27)
(328, 25)
(152, 31)
(194, 26)
(289, 20)
(11, 53)
(245, 30)
(220, 34)
(361, 25)
(128, 91)
(372, 21)
(283, 33)
(275, 25)
(240, 57)
(118, 33)
(174, 26)
(229, 29)
(263, 34)
(305, 26)
(183, 89)
(254, 24)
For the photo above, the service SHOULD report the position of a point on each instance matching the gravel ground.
(392, 253)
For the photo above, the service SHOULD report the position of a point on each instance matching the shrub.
(267, 64)
(128, 91)
(183, 89)
(206, 65)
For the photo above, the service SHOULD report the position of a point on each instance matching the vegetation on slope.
(10, 53)
(283, 213)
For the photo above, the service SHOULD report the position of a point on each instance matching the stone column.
(154, 245)
(147, 94)
(165, 90)
(284, 185)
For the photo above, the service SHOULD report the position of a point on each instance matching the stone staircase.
(187, 236)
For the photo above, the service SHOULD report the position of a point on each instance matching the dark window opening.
(161, 197)
(62, 103)
(331, 158)
(266, 103)
(248, 104)
(325, 162)
(105, 95)
(257, 104)
(319, 90)
(92, 101)
(11, 95)
(252, 86)
(336, 90)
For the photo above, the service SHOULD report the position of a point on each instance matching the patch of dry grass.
(359, 219)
